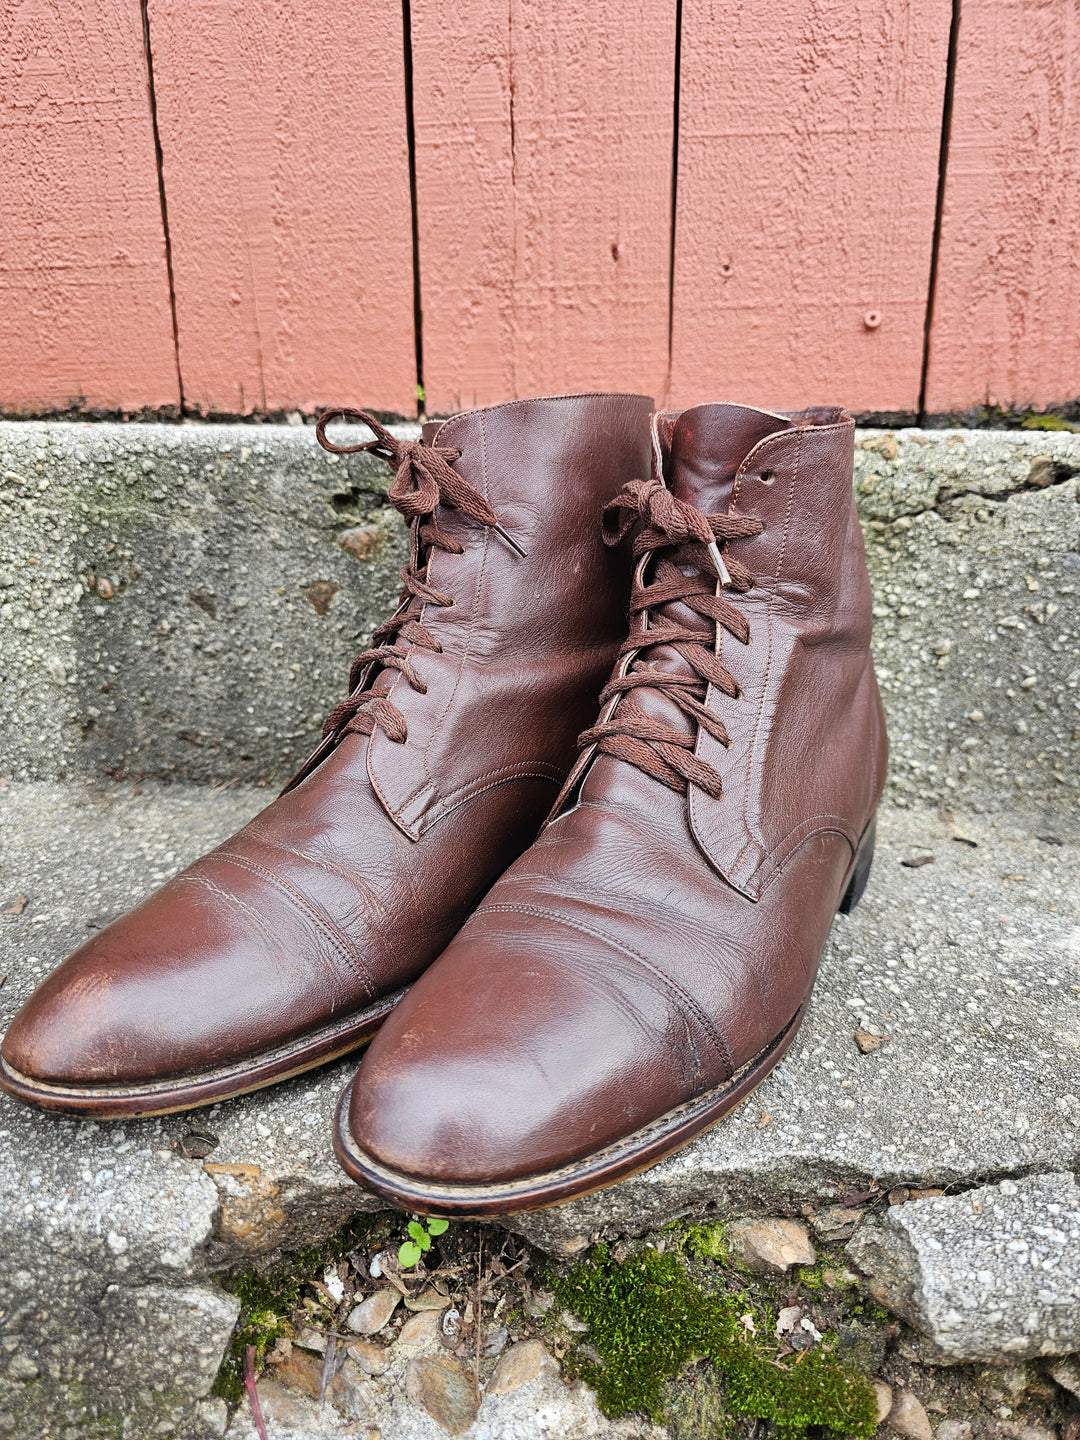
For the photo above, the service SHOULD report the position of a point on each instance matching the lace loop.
(424, 479)
(664, 522)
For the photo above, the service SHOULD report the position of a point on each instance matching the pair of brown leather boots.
(645, 962)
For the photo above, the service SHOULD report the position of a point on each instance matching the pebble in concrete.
(907, 1416)
(770, 1245)
(991, 1274)
(369, 1317)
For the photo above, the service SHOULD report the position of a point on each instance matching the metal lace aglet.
(718, 561)
(513, 543)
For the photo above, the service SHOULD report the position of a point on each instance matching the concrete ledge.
(971, 966)
(172, 599)
(220, 624)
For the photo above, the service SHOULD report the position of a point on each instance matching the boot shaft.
(531, 637)
(805, 747)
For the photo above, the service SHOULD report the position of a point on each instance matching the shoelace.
(630, 734)
(423, 480)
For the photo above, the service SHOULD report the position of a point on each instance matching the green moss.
(269, 1301)
(647, 1319)
(706, 1242)
(812, 1277)
(1045, 422)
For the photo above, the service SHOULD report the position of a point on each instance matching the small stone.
(371, 1358)
(372, 1314)
(312, 1340)
(787, 1319)
(23, 1367)
(868, 1043)
(17, 906)
(420, 1328)
(519, 1365)
(196, 1145)
(899, 1195)
(953, 1430)
(908, 1417)
(279, 1407)
(104, 588)
(445, 1391)
(362, 542)
(318, 595)
(770, 1245)
(883, 1397)
(1066, 1373)
(301, 1372)
(427, 1300)
(494, 1342)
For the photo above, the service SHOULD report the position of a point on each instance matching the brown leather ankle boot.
(644, 965)
(288, 944)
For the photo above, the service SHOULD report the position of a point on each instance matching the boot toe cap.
(507, 1060)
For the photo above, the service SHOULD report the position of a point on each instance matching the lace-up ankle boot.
(288, 944)
(644, 965)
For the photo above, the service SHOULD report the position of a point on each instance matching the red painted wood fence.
(237, 206)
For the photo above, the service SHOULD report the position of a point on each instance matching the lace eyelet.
(767, 477)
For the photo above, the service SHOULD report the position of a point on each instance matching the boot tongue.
(706, 447)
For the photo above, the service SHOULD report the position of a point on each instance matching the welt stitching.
(441, 811)
(331, 931)
(674, 988)
(419, 789)
(508, 772)
(841, 827)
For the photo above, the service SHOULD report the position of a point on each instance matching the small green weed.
(647, 1319)
(410, 1252)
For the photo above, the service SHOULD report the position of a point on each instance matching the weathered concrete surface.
(974, 552)
(993, 1272)
(210, 660)
(971, 965)
(172, 600)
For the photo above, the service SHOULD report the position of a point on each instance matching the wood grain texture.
(84, 291)
(1006, 326)
(808, 159)
(283, 136)
(543, 167)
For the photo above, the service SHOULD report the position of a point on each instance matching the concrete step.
(179, 601)
(970, 965)
(180, 604)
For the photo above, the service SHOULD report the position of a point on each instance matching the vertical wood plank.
(543, 169)
(1006, 325)
(808, 158)
(84, 291)
(285, 158)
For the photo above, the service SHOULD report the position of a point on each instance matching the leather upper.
(650, 944)
(350, 883)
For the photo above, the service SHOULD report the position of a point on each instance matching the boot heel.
(861, 873)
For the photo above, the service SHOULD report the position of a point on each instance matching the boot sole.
(189, 1092)
(625, 1157)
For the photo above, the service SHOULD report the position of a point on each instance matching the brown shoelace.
(424, 479)
(672, 524)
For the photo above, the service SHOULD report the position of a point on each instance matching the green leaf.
(437, 1226)
(416, 1230)
(424, 1240)
(408, 1255)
